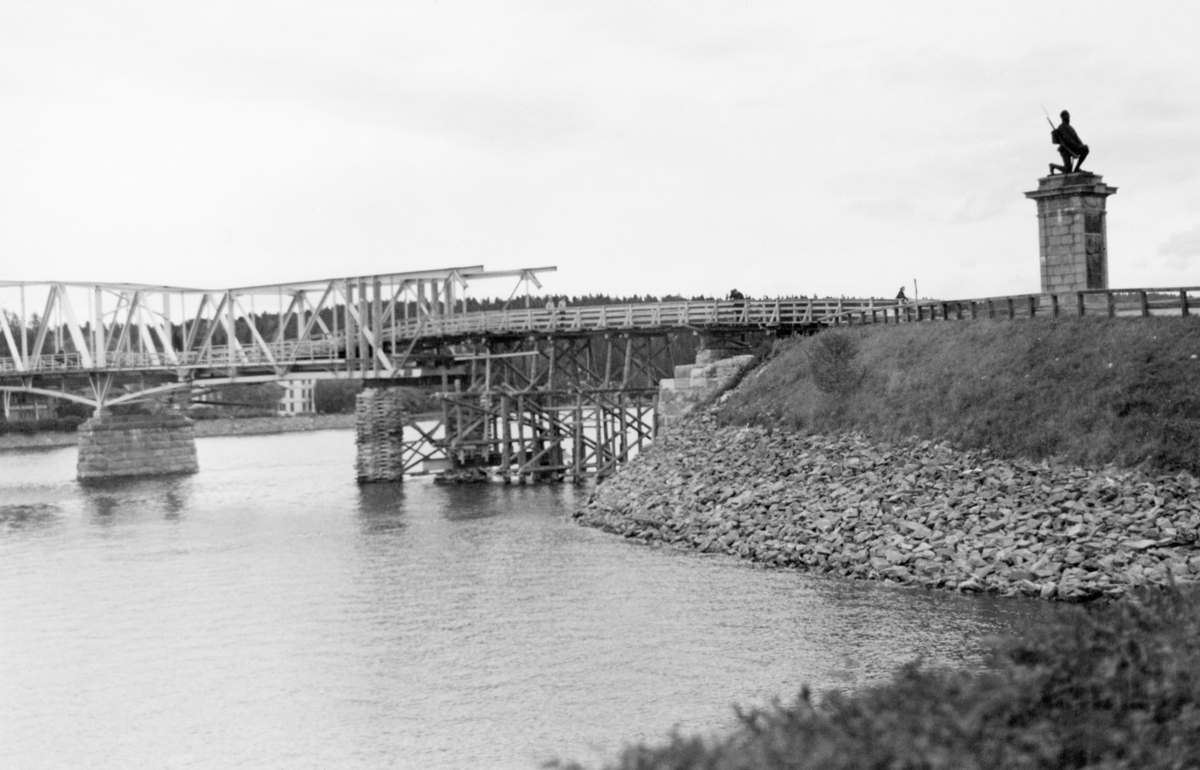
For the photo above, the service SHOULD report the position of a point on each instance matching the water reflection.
(461, 502)
(109, 501)
(29, 516)
(381, 507)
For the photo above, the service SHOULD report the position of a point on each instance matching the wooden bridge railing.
(1109, 303)
(698, 314)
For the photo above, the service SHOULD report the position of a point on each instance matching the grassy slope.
(1089, 391)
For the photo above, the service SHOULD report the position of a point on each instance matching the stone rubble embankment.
(914, 512)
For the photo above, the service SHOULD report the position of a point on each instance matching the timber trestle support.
(555, 407)
(526, 408)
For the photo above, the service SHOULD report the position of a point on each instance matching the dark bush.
(336, 396)
(70, 423)
(48, 425)
(74, 409)
(833, 359)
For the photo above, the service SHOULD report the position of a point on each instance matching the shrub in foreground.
(1111, 686)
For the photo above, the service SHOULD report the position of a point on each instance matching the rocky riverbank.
(915, 512)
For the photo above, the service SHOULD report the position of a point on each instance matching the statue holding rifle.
(1070, 146)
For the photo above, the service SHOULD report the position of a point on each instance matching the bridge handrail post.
(1012, 310)
(1183, 303)
(1032, 305)
(1054, 306)
(1079, 303)
(1145, 303)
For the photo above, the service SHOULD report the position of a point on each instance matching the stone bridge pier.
(114, 446)
(379, 419)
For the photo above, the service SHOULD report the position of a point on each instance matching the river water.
(268, 612)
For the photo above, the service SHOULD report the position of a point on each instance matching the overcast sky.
(669, 147)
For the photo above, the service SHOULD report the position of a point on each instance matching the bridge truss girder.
(85, 337)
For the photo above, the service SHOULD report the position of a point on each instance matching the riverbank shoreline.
(912, 513)
(223, 426)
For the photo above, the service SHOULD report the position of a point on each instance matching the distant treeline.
(476, 305)
(66, 424)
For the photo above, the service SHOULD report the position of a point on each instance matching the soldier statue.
(1070, 146)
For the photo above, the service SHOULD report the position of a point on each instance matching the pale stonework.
(1072, 231)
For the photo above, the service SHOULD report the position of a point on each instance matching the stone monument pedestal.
(1072, 231)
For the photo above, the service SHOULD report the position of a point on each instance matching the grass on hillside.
(1112, 686)
(1087, 391)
